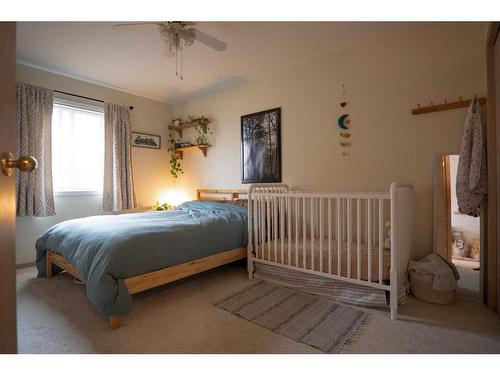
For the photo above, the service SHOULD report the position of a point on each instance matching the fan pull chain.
(180, 44)
(176, 59)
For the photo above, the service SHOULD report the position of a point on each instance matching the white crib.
(334, 235)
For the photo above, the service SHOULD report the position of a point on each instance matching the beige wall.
(384, 81)
(150, 167)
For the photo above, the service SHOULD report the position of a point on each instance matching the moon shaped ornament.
(342, 121)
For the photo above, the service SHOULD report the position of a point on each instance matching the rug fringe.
(356, 335)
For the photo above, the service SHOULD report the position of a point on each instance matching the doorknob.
(24, 164)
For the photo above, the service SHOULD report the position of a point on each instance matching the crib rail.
(337, 235)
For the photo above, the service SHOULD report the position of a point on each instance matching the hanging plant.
(175, 157)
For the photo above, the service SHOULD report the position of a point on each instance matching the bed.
(117, 256)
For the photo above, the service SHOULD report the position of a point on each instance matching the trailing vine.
(175, 157)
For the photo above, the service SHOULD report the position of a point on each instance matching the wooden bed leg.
(48, 266)
(114, 321)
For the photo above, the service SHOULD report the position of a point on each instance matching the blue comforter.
(109, 248)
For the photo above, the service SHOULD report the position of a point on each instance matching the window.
(77, 148)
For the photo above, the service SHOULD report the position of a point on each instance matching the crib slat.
(313, 232)
(344, 220)
(256, 226)
(339, 236)
(304, 232)
(358, 238)
(289, 228)
(281, 222)
(296, 207)
(380, 240)
(329, 235)
(349, 237)
(275, 228)
(261, 227)
(369, 219)
(320, 234)
(268, 234)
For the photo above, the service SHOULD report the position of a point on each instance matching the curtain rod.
(83, 97)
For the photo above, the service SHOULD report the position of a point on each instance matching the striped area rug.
(321, 324)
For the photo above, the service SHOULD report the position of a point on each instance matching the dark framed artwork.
(261, 146)
(145, 140)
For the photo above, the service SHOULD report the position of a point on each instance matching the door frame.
(442, 206)
(8, 321)
(491, 292)
(442, 195)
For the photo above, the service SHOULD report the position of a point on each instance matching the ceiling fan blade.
(209, 40)
(136, 24)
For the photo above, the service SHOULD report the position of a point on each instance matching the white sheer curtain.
(118, 191)
(35, 196)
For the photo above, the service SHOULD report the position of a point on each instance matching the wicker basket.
(421, 287)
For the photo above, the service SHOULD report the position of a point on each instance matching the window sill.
(76, 193)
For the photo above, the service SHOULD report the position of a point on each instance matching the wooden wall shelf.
(187, 125)
(202, 148)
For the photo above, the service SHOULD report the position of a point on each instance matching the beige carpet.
(55, 317)
(468, 285)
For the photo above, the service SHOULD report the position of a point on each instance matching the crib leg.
(394, 295)
(250, 266)
(114, 321)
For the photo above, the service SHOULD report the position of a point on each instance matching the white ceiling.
(133, 61)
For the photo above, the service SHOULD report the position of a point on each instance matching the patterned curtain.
(35, 196)
(118, 183)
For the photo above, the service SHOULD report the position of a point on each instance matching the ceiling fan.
(179, 34)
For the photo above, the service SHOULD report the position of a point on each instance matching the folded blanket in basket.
(445, 273)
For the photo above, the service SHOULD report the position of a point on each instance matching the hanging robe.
(472, 172)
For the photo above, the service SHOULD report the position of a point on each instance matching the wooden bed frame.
(140, 283)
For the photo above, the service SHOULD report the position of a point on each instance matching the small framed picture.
(146, 140)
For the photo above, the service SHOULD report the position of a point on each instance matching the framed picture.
(261, 146)
(146, 140)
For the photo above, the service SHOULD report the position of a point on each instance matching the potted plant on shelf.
(163, 207)
(202, 120)
(203, 131)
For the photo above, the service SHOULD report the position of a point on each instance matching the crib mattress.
(319, 261)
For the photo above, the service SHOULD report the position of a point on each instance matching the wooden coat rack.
(445, 106)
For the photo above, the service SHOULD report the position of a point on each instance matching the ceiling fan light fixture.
(188, 37)
(176, 33)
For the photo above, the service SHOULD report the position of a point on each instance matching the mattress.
(319, 260)
(107, 249)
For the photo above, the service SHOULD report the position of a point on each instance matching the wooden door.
(8, 331)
